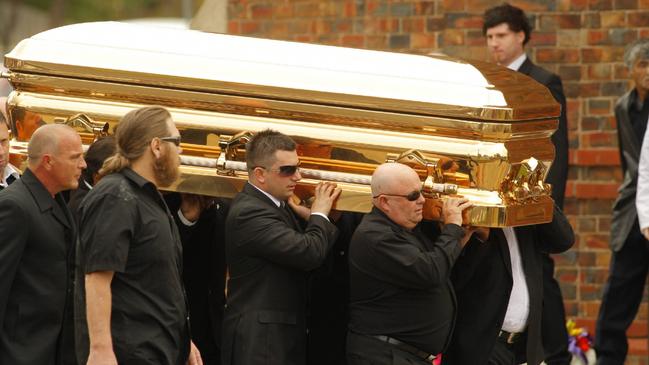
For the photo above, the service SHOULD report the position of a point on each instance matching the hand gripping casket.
(468, 128)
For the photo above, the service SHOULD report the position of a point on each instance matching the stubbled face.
(640, 74)
(68, 163)
(504, 45)
(277, 184)
(4, 147)
(167, 167)
(400, 210)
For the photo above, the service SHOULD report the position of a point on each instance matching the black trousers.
(365, 350)
(506, 354)
(553, 318)
(621, 299)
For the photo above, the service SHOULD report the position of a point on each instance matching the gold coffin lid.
(471, 129)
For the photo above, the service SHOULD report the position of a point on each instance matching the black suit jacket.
(269, 256)
(37, 233)
(625, 214)
(558, 173)
(482, 278)
(204, 273)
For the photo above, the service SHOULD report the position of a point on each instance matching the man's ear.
(46, 162)
(155, 147)
(259, 175)
(382, 203)
(520, 38)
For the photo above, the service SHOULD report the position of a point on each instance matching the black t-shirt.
(126, 227)
(400, 282)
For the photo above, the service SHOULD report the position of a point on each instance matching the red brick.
(595, 191)
(435, 24)
(233, 27)
(250, 27)
(599, 107)
(566, 38)
(474, 38)
(353, 40)
(638, 19)
(454, 5)
(612, 19)
(425, 8)
(306, 9)
(578, 5)
(598, 241)
(598, 157)
(600, 4)
(544, 55)
(463, 21)
(600, 71)
(569, 21)
(597, 37)
(603, 258)
(589, 291)
(413, 25)
(261, 11)
(545, 39)
(423, 41)
(625, 4)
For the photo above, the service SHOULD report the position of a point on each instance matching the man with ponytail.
(130, 253)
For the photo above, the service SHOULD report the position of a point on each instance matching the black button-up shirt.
(400, 282)
(126, 228)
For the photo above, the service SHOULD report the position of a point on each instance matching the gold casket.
(469, 128)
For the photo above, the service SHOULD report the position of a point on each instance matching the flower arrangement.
(580, 344)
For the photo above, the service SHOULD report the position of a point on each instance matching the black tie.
(10, 179)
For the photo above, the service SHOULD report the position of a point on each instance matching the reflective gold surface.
(467, 128)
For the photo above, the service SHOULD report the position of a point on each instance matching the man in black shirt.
(402, 304)
(630, 260)
(130, 251)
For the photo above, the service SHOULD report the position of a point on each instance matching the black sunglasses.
(284, 171)
(411, 197)
(175, 140)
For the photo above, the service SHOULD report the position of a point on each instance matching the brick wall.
(581, 40)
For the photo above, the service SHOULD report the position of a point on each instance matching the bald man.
(37, 235)
(402, 307)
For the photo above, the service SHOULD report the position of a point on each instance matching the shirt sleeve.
(106, 229)
(642, 195)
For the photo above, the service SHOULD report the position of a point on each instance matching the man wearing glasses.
(271, 245)
(402, 307)
(130, 253)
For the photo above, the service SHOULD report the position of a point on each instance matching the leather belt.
(405, 347)
(510, 338)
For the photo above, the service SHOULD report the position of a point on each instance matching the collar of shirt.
(9, 171)
(272, 198)
(517, 62)
(87, 184)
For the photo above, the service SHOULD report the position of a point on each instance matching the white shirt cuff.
(184, 220)
(322, 215)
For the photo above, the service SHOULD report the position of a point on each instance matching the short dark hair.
(635, 51)
(97, 153)
(260, 150)
(509, 14)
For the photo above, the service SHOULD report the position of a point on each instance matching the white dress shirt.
(518, 308)
(517, 63)
(10, 170)
(642, 193)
